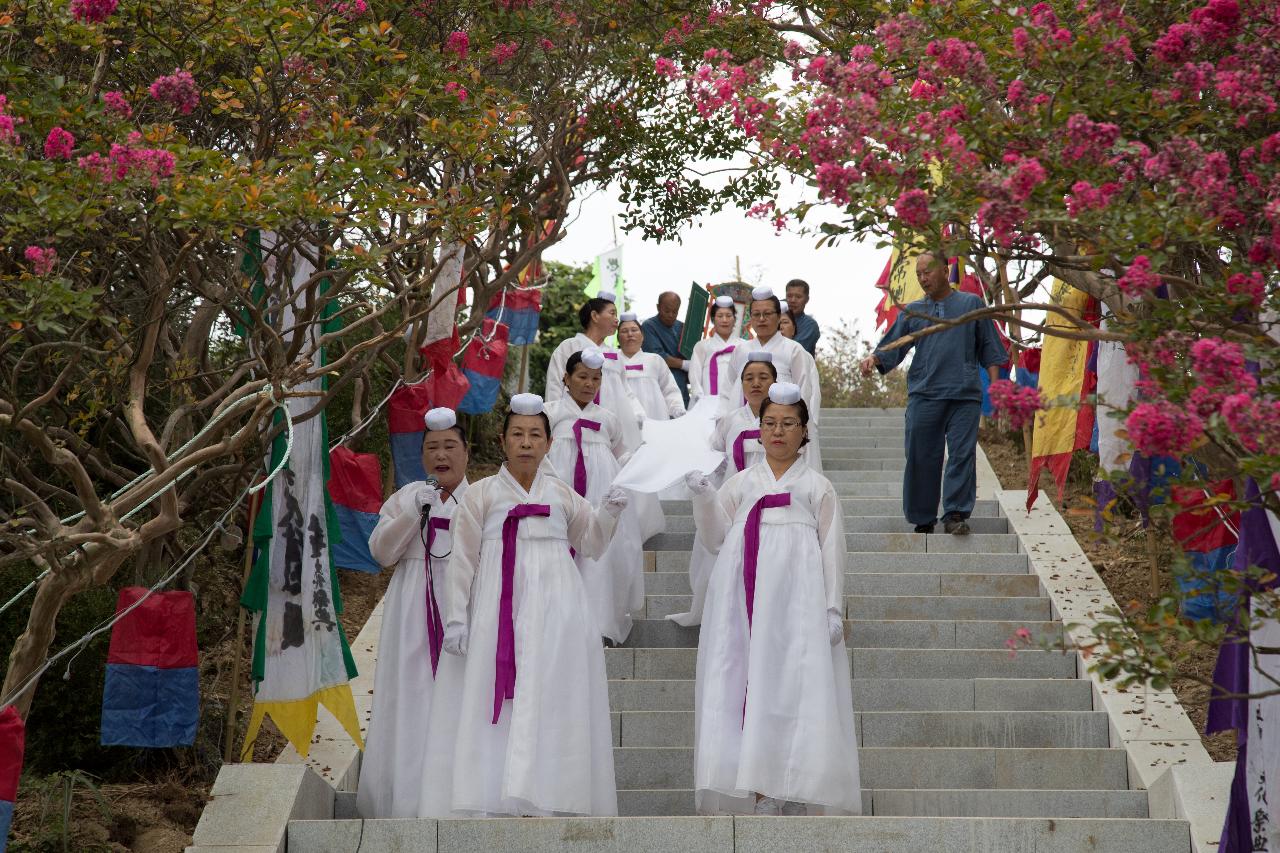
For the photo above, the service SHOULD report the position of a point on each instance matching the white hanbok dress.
(773, 707)
(615, 581)
(652, 384)
(550, 752)
(615, 393)
(794, 364)
(407, 769)
(711, 356)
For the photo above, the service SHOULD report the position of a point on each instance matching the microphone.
(426, 510)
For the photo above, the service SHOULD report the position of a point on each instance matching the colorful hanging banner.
(900, 285)
(301, 659)
(1065, 383)
(13, 742)
(1207, 532)
(152, 692)
(405, 410)
(1117, 377)
(1028, 374)
(483, 363)
(355, 488)
(521, 307)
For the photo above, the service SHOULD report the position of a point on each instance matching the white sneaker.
(768, 806)
(793, 809)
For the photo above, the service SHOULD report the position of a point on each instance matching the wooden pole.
(1153, 558)
(233, 701)
(524, 369)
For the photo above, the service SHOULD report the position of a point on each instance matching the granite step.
(982, 608)
(852, 506)
(974, 543)
(886, 562)
(887, 583)
(854, 523)
(1002, 729)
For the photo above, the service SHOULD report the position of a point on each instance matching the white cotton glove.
(698, 483)
(455, 638)
(616, 500)
(835, 626)
(426, 496)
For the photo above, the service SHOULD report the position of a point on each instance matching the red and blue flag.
(355, 487)
(1207, 529)
(152, 693)
(13, 740)
(483, 364)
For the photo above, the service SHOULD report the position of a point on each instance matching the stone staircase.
(965, 746)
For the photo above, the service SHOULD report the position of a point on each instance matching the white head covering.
(724, 301)
(784, 393)
(593, 358)
(627, 316)
(526, 404)
(440, 418)
(761, 293)
(607, 296)
(760, 355)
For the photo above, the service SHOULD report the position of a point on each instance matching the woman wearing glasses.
(773, 714)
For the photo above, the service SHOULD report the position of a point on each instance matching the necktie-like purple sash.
(751, 546)
(715, 373)
(635, 367)
(751, 557)
(740, 455)
(435, 625)
(504, 679)
(580, 467)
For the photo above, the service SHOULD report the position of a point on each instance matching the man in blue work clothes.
(807, 331)
(944, 397)
(662, 336)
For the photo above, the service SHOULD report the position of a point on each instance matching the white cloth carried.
(653, 386)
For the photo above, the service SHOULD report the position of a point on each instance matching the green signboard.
(695, 317)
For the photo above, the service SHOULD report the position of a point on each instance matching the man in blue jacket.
(944, 396)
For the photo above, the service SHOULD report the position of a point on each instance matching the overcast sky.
(842, 278)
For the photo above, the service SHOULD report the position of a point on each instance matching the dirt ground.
(1123, 563)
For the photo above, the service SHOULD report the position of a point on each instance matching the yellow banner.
(1062, 369)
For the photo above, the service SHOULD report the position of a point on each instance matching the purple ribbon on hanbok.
(635, 367)
(613, 356)
(739, 455)
(715, 374)
(435, 625)
(750, 557)
(751, 546)
(580, 467)
(504, 679)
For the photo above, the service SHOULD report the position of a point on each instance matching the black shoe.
(924, 528)
(956, 526)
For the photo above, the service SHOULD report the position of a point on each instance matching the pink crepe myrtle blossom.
(1251, 285)
(93, 11)
(8, 124)
(42, 259)
(1161, 428)
(665, 67)
(129, 159)
(1016, 402)
(351, 9)
(116, 103)
(59, 144)
(912, 207)
(178, 90)
(456, 89)
(1138, 279)
(458, 43)
(504, 52)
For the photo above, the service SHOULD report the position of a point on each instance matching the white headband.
(526, 404)
(607, 296)
(760, 355)
(440, 419)
(762, 293)
(784, 393)
(593, 358)
(627, 316)
(724, 301)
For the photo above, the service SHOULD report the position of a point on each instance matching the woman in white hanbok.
(773, 709)
(647, 374)
(599, 319)
(711, 367)
(407, 768)
(737, 433)
(585, 450)
(737, 436)
(534, 736)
